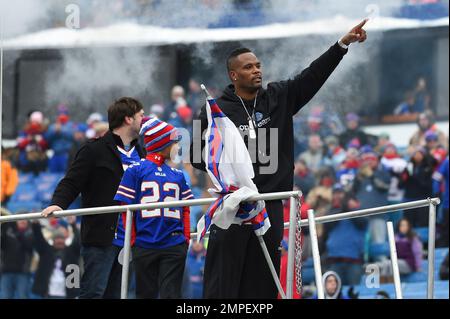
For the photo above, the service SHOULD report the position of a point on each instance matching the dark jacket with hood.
(275, 107)
(16, 249)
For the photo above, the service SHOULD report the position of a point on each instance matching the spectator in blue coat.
(345, 243)
(407, 106)
(195, 265)
(371, 187)
(60, 137)
(440, 189)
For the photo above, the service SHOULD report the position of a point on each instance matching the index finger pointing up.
(361, 24)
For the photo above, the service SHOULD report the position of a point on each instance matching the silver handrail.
(430, 202)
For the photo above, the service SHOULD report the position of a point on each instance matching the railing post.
(431, 249)
(291, 248)
(394, 261)
(271, 267)
(316, 254)
(126, 256)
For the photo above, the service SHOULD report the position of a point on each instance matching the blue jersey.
(127, 158)
(147, 182)
(441, 176)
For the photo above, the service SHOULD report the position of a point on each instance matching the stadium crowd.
(222, 14)
(338, 167)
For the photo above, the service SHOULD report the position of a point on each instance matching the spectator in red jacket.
(283, 271)
(32, 144)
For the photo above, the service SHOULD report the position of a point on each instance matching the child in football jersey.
(160, 237)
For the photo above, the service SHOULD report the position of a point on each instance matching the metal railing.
(430, 202)
(294, 197)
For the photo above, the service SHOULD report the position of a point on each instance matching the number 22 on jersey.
(153, 188)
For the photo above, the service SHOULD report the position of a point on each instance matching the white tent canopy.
(129, 34)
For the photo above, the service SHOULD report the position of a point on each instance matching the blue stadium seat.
(369, 293)
(308, 263)
(45, 185)
(441, 289)
(420, 276)
(308, 276)
(438, 259)
(416, 290)
(26, 178)
(377, 250)
(25, 197)
(27, 206)
(419, 290)
(441, 253)
(46, 177)
(76, 203)
(24, 193)
(45, 191)
(422, 232)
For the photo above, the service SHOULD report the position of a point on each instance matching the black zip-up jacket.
(96, 173)
(275, 107)
(47, 258)
(17, 249)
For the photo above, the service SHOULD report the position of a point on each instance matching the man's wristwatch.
(342, 45)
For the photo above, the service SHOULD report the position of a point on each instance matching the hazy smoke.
(94, 77)
(347, 88)
(22, 16)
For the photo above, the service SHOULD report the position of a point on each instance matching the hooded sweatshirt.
(338, 293)
(274, 108)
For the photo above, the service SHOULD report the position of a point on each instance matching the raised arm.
(40, 244)
(304, 86)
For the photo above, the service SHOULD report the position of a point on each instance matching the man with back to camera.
(235, 266)
(96, 173)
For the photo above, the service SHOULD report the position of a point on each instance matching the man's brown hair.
(121, 108)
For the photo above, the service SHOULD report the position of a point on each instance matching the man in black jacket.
(52, 271)
(235, 266)
(96, 173)
(16, 255)
(353, 133)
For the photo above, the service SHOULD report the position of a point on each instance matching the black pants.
(443, 240)
(235, 266)
(102, 273)
(159, 272)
